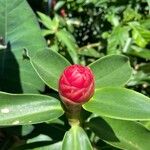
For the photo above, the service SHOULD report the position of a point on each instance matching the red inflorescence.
(76, 84)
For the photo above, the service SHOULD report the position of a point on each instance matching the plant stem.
(89, 46)
(73, 113)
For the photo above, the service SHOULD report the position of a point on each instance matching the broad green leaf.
(76, 139)
(19, 30)
(113, 70)
(146, 124)
(68, 40)
(119, 103)
(49, 65)
(22, 109)
(122, 134)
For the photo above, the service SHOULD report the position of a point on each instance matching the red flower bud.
(76, 84)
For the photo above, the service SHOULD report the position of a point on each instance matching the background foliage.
(39, 38)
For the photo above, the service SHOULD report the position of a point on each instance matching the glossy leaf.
(68, 40)
(76, 139)
(19, 30)
(122, 134)
(25, 109)
(49, 65)
(119, 103)
(111, 70)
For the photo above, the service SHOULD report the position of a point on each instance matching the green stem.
(89, 46)
(73, 113)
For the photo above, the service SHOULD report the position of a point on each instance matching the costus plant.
(112, 105)
(76, 87)
(56, 95)
(76, 84)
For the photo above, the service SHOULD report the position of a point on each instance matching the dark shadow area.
(13, 136)
(53, 130)
(102, 129)
(9, 136)
(9, 82)
(36, 5)
(33, 145)
(9, 71)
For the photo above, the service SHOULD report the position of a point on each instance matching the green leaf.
(52, 25)
(141, 76)
(113, 70)
(49, 65)
(59, 5)
(139, 52)
(40, 142)
(68, 40)
(117, 40)
(91, 52)
(140, 34)
(41, 145)
(19, 30)
(145, 22)
(122, 134)
(148, 2)
(27, 129)
(76, 139)
(22, 109)
(55, 146)
(38, 138)
(46, 32)
(146, 124)
(130, 14)
(119, 103)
